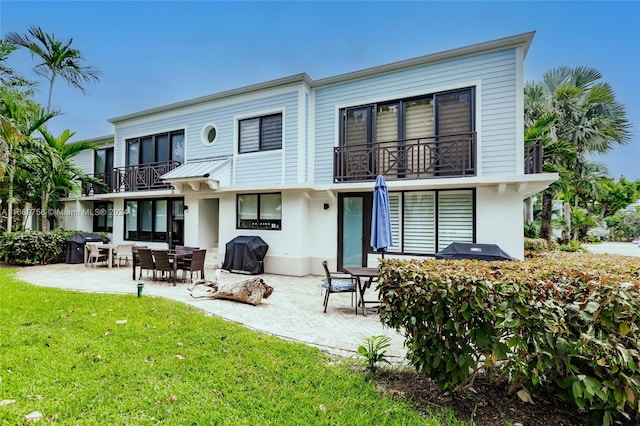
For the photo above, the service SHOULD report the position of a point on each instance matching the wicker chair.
(162, 263)
(145, 261)
(193, 264)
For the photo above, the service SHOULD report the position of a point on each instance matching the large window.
(102, 216)
(425, 222)
(152, 220)
(260, 133)
(259, 211)
(161, 147)
(411, 138)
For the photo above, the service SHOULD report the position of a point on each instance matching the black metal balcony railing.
(451, 155)
(533, 156)
(139, 177)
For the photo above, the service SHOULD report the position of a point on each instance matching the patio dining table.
(174, 258)
(361, 274)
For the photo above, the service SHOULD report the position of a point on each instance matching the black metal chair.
(335, 282)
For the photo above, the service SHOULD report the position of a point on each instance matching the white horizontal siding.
(496, 97)
(260, 168)
(84, 161)
(224, 114)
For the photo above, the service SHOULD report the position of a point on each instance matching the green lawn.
(72, 357)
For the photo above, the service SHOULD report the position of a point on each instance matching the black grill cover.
(245, 253)
(473, 251)
(75, 246)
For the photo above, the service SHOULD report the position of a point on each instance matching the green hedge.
(564, 321)
(33, 247)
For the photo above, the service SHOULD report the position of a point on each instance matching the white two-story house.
(294, 161)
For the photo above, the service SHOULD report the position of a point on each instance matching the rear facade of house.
(294, 162)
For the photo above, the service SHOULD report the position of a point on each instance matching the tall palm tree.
(590, 120)
(59, 59)
(20, 118)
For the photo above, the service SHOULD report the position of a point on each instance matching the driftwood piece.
(250, 291)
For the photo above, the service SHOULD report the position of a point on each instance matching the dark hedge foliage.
(34, 247)
(563, 322)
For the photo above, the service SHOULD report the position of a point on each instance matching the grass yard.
(85, 359)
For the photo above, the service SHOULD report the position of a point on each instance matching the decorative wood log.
(250, 291)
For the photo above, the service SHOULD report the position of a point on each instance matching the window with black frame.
(161, 147)
(259, 211)
(102, 216)
(260, 134)
(412, 138)
(151, 219)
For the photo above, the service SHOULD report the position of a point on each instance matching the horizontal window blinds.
(249, 135)
(419, 222)
(271, 132)
(455, 217)
(395, 208)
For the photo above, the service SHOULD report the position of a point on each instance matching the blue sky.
(155, 53)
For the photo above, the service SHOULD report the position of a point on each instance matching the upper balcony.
(452, 155)
(139, 177)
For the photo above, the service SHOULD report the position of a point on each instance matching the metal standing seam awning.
(194, 173)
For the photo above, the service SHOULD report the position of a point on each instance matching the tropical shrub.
(34, 248)
(535, 245)
(564, 321)
(531, 229)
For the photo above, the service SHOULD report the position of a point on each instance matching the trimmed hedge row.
(34, 247)
(564, 321)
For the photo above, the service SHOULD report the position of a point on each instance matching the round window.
(209, 134)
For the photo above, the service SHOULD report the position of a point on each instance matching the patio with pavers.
(293, 311)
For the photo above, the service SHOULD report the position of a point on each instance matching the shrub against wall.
(34, 248)
(567, 321)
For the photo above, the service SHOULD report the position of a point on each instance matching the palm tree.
(56, 171)
(589, 121)
(20, 118)
(7, 74)
(59, 59)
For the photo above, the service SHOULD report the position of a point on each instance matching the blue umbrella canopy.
(381, 238)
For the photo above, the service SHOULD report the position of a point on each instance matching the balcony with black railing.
(452, 155)
(533, 156)
(139, 177)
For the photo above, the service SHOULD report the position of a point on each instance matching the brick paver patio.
(294, 310)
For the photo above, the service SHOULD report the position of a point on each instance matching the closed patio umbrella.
(381, 238)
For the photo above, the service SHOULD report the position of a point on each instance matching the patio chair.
(162, 263)
(123, 252)
(135, 259)
(335, 282)
(145, 261)
(195, 263)
(94, 256)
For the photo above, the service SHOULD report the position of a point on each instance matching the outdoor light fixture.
(185, 207)
(326, 206)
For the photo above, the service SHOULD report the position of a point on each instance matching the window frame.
(260, 223)
(437, 193)
(154, 236)
(154, 154)
(98, 206)
(260, 119)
